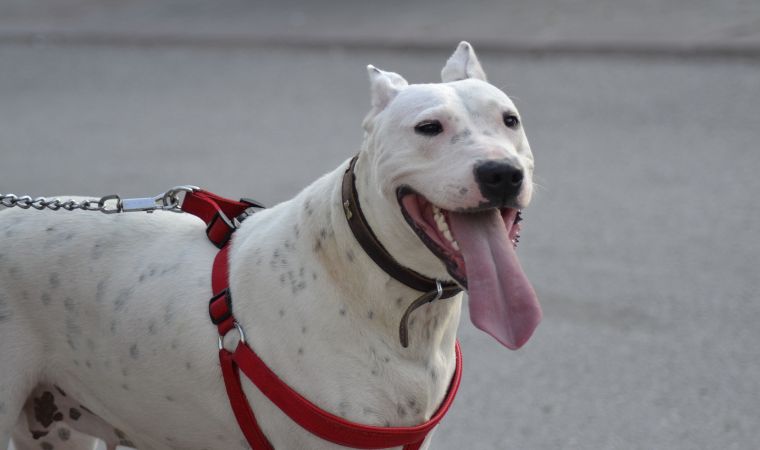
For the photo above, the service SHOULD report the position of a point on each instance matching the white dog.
(111, 310)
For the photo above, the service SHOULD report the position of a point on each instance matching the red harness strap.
(216, 212)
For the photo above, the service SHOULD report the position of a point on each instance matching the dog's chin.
(431, 224)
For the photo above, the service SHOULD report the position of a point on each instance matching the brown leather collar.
(375, 250)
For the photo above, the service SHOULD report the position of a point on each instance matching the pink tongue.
(502, 300)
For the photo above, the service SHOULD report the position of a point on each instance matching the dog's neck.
(349, 307)
(376, 299)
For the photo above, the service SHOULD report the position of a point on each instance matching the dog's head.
(455, 158)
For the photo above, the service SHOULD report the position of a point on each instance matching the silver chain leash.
(170, 200)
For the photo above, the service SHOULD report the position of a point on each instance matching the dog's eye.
(511, 120)
(429, 128)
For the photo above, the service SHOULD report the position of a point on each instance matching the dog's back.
(93, 302)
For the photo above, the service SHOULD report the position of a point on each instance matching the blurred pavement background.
(644, 117)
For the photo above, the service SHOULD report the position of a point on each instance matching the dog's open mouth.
(432, 225)
(478, 249)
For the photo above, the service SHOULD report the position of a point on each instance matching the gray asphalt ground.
(643, 237)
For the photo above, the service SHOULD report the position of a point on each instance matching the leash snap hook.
(168, 201)
(171, 199)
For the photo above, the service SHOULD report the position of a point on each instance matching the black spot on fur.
(370, 314)
(97, 250)
(55, 280)
(100, 291)
(459, 136)
(45, 409)
(463, 191)
(300, 350)
(64, 434)
(5, 311)
(46, 446)
(343, 408)
(134, 352)
(168, 313)
(170, 269)
(74, 414)
(73, 331)
(122, 298)
(38, 434)
(350, 255)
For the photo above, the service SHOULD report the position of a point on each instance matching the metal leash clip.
(170, 200)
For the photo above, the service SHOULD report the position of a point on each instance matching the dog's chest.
(308, 315)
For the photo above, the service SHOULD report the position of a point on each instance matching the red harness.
(216, 212)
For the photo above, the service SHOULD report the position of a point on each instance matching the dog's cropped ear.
(384, 86)
(463, 64)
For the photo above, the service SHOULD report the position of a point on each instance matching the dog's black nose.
(499, 180)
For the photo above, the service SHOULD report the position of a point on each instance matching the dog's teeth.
(443, 227)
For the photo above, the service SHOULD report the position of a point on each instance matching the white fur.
(113, 308)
